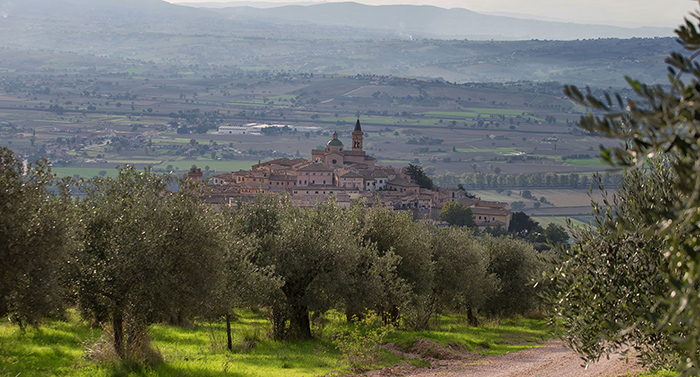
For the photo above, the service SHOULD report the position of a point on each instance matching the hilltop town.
(350, 175)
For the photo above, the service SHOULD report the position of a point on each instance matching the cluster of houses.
(349, 175)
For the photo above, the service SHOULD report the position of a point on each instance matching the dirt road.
(550, 360)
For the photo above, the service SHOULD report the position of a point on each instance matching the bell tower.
(357, 137)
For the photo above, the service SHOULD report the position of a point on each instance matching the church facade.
(335, 155)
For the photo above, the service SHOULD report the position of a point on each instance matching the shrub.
(361, 345)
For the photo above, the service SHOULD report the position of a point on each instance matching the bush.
(138, 351)
(361, 345)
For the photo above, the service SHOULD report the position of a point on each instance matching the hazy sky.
(668, 13)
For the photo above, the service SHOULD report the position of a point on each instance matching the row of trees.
(521, 180)
(129, 252)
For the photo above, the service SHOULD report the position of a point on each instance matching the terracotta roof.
(357, 153)
(315, 167)
(283, 177)
(490, 211)
(350, 174)
(491, 204)
(281, 161)
(374, 174)
(401, 182)
(326, 188)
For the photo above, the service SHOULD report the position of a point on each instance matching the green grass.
(135, 161)
(220, 166)
(586, 162)
(57, 347)
(494, 111)
(509, 336)
(83, 172)
(559, 220)
(662, 373)
(453, 114)
(488, 150)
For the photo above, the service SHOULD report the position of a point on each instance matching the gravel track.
(550, 360)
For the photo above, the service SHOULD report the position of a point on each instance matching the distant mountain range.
(388, 21)
(428, 21)
(456, 45)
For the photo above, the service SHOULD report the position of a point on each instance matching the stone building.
(349, 176)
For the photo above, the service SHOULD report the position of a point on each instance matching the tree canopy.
(145, 254)
(36, 225)
(457, 214)
(606, 289)
(419, 176)
(657, 121)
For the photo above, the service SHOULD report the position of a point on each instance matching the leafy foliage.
(419, 176)
(145, 254)
(397, 233)
(361, 344)
(457, 214)
(606, 291)
(35, 236)
(462, 282)
(308, 252)
(515, 263)
(667, 122)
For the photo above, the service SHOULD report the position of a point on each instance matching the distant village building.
(195, 174)
(257, 129)
(349, 175)
(233, 130)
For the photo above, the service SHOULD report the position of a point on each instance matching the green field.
(83, 172)
(587, 162)
(219, 166)
(453, 114)
(561, 221)
(488, 150)
(495, 111)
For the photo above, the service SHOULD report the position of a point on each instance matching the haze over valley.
(93, 84)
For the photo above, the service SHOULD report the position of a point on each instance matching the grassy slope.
(57, 348)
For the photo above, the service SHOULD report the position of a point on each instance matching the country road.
(550, 360)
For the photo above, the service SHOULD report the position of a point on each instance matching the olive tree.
(398, 234)
(462, 282)
(605, 290)
(36, 224)
(664, 120)
(515, 264)
(304, 249)
(457, 214)
(146, 254)
(369, 278)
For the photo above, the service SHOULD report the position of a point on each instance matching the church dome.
(335, 142)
